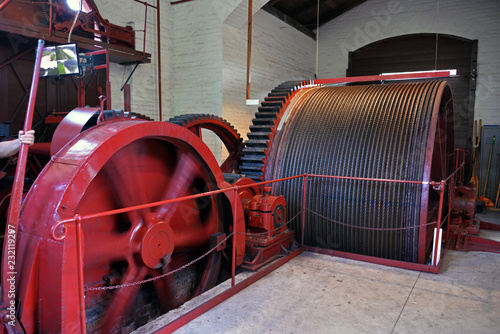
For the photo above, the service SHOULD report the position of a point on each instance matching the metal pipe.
(5, 3)
(304, 191)
(81, 93)
(159, 57)
(440, 214)
(249, 46)
(451, 189)
(370, 179)
(130, 75)
(233, 259)
(127, 104)
(145, 3)
(40, 149)
(418, 75)
(50, 18)
(19, 55)
(108, 82)
(153, 204)
(81, 290)
(214, 192)
(179, 1)
(18, 186)
(145, 28)
(376, 260)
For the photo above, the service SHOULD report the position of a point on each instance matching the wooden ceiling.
(303, 14)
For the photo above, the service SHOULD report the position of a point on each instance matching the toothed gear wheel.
(222, 128)
(264, 127)
(110, 115)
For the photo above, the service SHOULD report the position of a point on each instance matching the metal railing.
(78, 220)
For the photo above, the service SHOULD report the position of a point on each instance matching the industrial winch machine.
(130, 217)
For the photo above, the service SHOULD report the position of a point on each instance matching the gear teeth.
(256, 143)
(222, 128)
(275, 99)
(253, 158)
(255, 150)
(274, 109)
(286, 94)
(113, 115)
(258, 135)
(262, 131)
(263, 121)
(278, 104)
(261, 128)
(266, 115)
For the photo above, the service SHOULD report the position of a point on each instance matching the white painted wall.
(379, 19)
(279, 53)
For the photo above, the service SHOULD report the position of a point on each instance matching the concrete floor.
(321, 294)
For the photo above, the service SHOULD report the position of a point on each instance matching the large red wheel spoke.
(121, 172)
(194, 235)
(186, 171)
(209, 277)
(118, 247)
(124, 298)
(197, 131)
(231, 163)
(165, 286)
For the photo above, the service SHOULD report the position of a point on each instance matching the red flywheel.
(116, 165)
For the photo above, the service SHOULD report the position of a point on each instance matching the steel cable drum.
(401, 131)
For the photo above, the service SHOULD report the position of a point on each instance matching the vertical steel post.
(236, 200)
(50, 18)
(81, 93)
(108, 82)
(159, 57)
(249, 46)
(304, 208)
(451, 189)
(79, 254)
(145, 23)
(17, 188)
(127, 102)
(5, 3)
(440, 215)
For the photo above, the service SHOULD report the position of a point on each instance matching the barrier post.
(233, 261)
(81, 290)
(304, 208)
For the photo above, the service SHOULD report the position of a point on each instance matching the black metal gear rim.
(223, 129)
(267, 118)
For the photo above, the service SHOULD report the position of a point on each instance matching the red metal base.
(378, 260)
(264, 250)
(466, 239)
(470, 243)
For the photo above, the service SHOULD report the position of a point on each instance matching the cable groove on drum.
(371, 131)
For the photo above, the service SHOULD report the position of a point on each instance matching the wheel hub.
(157, 245)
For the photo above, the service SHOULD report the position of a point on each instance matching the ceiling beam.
(273, 2)
(341, 10)
(305, 7)
(288, 20)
